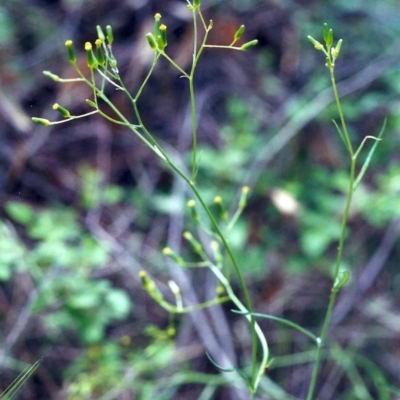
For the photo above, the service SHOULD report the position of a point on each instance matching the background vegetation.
(85, 206)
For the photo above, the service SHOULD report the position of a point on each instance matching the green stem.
(341, 116)
(339, 257)
(194, 128)
(197, 51)
(167, 57)
(256, 332)
(218, 46)
(256, 376)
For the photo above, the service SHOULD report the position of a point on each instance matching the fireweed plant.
(103, 71)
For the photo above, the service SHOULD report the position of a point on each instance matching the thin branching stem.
(139, 129)
(342, 237)
(257, 370)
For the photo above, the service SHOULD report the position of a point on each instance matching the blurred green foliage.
(60, 258)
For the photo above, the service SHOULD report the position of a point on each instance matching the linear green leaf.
(282, 321)
(370, 154)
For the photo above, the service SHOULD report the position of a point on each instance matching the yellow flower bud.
(91, 59)
(71, 52)
(63, 111)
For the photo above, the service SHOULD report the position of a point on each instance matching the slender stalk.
(166, 56)
(339, 256)
(341, 116)
(192, 98)
(194, 128)
(197, 51)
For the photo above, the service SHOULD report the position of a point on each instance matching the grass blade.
(19, 381)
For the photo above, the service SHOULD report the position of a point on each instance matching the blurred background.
(85, 206)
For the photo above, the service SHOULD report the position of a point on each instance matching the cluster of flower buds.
(158, 39)
(103, 51)
(151, 288)
(102, 57)
(332, 53)
(194, 5)
(238, 34)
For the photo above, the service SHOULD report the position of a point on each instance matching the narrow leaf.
(369, 157)
(341, 134)
(341, 280)
(282, 321)
(231, 369)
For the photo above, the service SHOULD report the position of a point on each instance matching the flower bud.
(169, 253)
(239, 33)
(63, 111)
(100, 33)
(91, 103)
(243, 197)
(316, 44)
(110, 35)
(41, 121)
(197, 247)
(157, 23)
(223, 213)
(328, 36)
(192, 205)
(150, 287)
(99, 52)
(91, 59)
(336, 50)
(152, 41)
(71, 52)
(52, 76)
(162, 37)
(248, 45)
